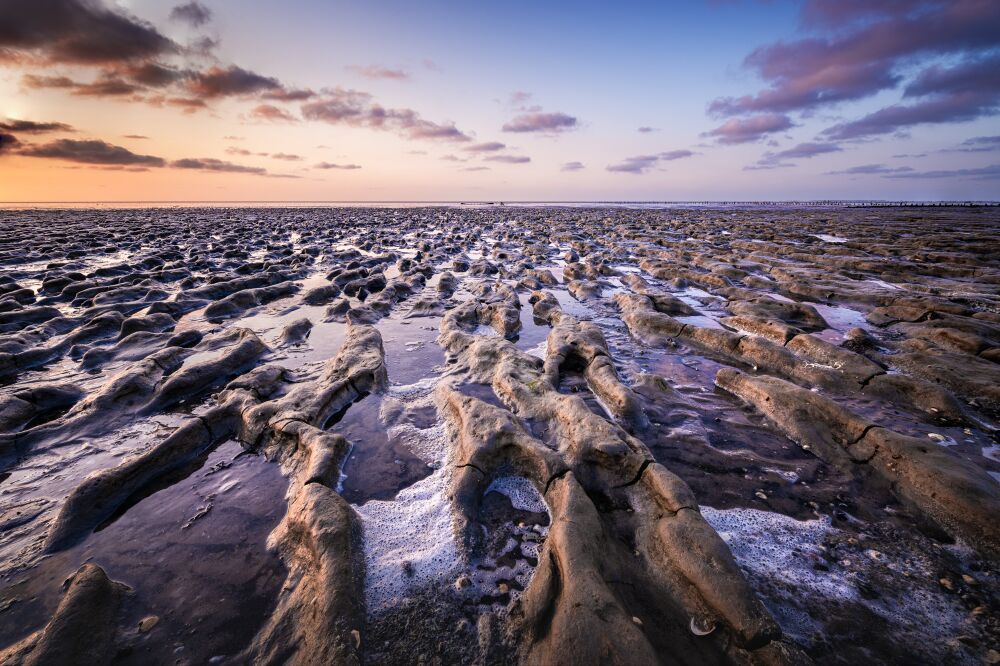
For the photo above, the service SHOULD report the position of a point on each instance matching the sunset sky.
(321, 100)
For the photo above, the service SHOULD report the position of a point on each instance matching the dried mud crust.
(565, 435)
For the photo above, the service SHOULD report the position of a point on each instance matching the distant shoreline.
(9, 205)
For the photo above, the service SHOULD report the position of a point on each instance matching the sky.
(326, 100)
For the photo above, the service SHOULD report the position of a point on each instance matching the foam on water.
(522, 493)
(409, 541)
(764, 543)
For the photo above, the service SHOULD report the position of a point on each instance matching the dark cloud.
(745, 130)
(866, 49)
(966, 91)
(288, 157)
(216, 165)
(229, 81)
(870, 170)
(358, 109)
(572, 166)
(8, 142)
(272, 113)
(77, 32)
(193, 13)
(549, 123)
(152, 74)
(379, 72)
(488, 147)
(135, 136)
(643, 163)
(991, 172)
(647, 130)
(91, 152)
(33, 127)
(508, 159)
(476, 168)
(331, 165)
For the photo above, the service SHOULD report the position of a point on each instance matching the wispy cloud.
(508, 159)
(573, 166)
(358, 109)
(377, 72)
(746, 130)
(642, 163)
(216, 165)
(991, 172)
(271, 113)
(870, 170)
(545, 123)
(331, 165)
(488, 147)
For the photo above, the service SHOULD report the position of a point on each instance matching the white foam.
(409, 541)
(829, 238)
(764, 543)
(522, 493)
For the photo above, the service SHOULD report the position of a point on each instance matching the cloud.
(288, 157)
(77, 32)
(186, 104)
(107, 86)
(271, 113)
(354, 108)
(642, 163)
(193, 13)
(870, 169)
(866, 49)
(228, 81)
(519, 97)
(216, 165)
(8, 142)
(966, 91)
(549, 123)
(647, 130)
(33, 127)
(39, 82)
(134, 136)
(750, 129)
(379, 72)
(991, 172)
(476, 168)
(91, 152)
(488, 147)
(508, 159)
(293, 95)
(572, 166)
(330, 165)
(774, 160)
(153, 74)
(979, 144)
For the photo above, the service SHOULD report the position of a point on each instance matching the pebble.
(462, 582)
(147, 623)
(637, 621)
(969, 580)
(947, 584)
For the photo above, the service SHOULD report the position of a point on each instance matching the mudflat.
(493, 435)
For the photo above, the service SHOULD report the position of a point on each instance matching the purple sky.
(312, 100)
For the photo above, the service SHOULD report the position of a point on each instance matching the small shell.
(702, 626)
